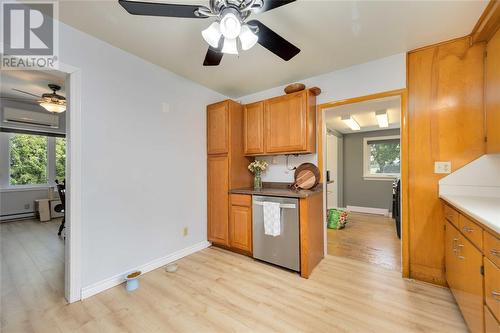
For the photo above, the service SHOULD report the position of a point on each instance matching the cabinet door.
(218, 199)
(254, 128)
(218, 128)
(469, 282)
(451, 260)
(492, 287)
(241, 228)
(286, 123)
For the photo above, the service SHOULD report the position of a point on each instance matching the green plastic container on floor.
(337, 219)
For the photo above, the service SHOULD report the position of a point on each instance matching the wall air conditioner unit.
(31, 118)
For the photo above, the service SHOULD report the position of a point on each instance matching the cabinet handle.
(459, 248)
(467, 229)
(496, 295)
(495, 253)
(455, 240)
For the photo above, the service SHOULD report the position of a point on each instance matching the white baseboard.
(113, 281)
(368, 210)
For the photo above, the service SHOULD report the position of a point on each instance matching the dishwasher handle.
(290, 206)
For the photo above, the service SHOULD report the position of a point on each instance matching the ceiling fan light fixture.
(230, 25)
(212, 34)
(230, 46)
(247, 38)
(53, 107)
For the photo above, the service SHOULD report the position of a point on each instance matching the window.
(60, 159)
(381, 157)
(28, 159)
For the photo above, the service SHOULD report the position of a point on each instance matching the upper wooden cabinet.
(281, 125)
(218, 128)
(254, 128)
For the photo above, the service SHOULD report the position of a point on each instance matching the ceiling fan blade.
(19, 100)
(271, 4)
(214, 55)
(162, 9)
(274, 42)
(25, 92)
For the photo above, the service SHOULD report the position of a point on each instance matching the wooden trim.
(488, 23)
(404, 160)
(453, 40)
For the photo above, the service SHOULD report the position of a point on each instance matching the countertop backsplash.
(277, 170)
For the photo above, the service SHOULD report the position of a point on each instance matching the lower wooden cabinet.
(240, 223)
(492, 287)
(218, 198)
(463, 274)
(491, 325)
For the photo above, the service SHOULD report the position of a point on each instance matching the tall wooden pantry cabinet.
(226, 164)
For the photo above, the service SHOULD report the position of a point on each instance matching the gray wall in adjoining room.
(356, 190)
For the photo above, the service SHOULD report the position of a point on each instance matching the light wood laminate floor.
(368, 238)
(218, 291)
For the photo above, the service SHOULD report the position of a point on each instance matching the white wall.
(380, 75)
(144, 157)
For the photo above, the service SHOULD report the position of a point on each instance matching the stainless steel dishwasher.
(282, 250)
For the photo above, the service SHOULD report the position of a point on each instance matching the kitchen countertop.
(485, 210)
(278, 190)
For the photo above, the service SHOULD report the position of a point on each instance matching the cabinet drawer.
(471, 230)
(241, 200)
(492, 287)
(451, 215)
(492, 248)
(491, 325)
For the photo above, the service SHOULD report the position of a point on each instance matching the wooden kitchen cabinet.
(254, 128)
(218, 128)
(492, 99)
(226, 166)
(240, 223)
(491, 325)
(281, 125)
(492, 287)
(451, 261)
(218, 187)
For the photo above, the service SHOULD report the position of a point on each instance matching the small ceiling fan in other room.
(52, 102)
(230, 31)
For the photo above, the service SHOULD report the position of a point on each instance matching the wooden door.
(218, 128)
(218, 198)
(469, 282)
(240, 223)
(286, 123)
(254, 128)
(492, 96)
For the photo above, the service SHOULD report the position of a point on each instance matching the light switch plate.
(442, 167)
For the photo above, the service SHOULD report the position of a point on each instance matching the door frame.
(73, 247)
(321, 138)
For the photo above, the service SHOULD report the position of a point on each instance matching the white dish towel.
(272, 218)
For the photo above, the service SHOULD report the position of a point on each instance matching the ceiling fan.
(51, 102)
(230, 31)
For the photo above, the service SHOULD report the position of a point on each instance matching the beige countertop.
(485, 210)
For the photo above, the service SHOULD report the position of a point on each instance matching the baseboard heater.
(368, 210)
(16, 216)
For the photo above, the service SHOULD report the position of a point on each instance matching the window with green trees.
(60, 159)
(28, 159)
(382, 156)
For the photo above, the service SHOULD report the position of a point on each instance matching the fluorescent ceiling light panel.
(382, 119)
(353, 124)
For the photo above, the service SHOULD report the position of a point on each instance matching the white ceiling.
(331, 35)
(364, 114)
(35, 82)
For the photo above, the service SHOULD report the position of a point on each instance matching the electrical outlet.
(442, 167)
(274, 160)
(27, 206)
(185, 231)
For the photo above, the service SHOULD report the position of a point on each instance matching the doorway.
(56, 136)
(362, 160)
